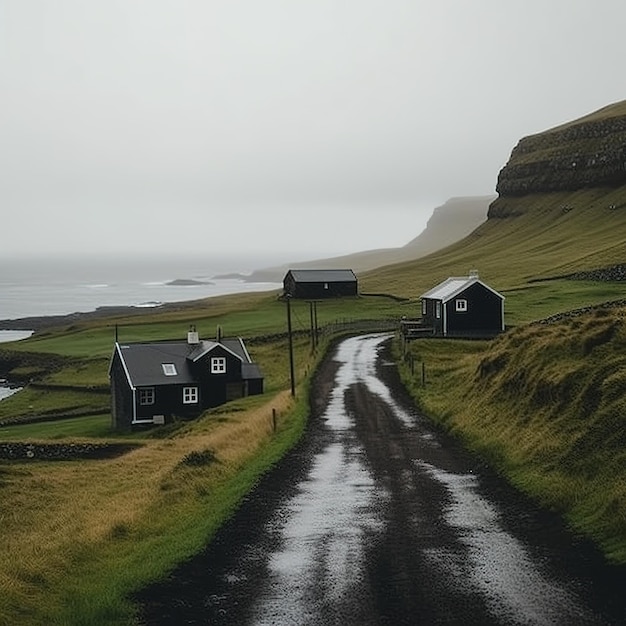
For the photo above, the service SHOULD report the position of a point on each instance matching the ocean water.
(32, 287)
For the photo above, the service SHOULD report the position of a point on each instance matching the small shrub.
(199, 458)
(119, 531)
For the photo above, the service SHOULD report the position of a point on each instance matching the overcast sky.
(309, 126)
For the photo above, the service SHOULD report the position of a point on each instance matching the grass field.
(78, 537)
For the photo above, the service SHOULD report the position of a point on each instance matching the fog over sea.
(33, 287)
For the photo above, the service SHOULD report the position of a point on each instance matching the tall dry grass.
(87, 528)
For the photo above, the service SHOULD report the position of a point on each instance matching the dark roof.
(319, 276)
(453, 286)
(250, 371)
(143, 362)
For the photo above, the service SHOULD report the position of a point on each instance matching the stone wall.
(63, 451)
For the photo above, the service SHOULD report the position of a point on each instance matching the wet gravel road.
(379, 518)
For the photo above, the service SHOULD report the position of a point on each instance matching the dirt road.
(379, 518)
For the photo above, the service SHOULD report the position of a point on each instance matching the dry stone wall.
(63, 451)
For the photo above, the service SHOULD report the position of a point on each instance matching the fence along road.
(378, 518)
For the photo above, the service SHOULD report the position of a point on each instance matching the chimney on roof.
(218, 337)
(192, 335)
(473, 273)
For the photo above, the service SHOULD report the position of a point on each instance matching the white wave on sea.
(34, 288)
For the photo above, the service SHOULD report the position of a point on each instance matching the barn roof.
(453, 286)
(320, 276)
(168, 362)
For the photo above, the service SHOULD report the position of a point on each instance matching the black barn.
(463, 307)
(318, 284)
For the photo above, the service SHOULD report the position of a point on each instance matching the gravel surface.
(379, 518)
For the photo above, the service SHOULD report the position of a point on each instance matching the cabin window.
(424, 311)
(169, 369)
(438, 309)
(190, 395)
(146, 396)
(460, 306)
(218, 365)
(325, 285)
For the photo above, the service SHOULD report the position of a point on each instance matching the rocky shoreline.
(43, 322)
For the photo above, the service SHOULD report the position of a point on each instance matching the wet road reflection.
(380, 519)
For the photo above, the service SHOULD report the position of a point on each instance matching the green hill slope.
(546, 221)
(524, 239)
(545, 401)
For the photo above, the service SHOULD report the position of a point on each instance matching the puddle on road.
(358, 356)
(325, 529)
(327, 526)
(499, 565)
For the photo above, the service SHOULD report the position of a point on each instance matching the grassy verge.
(546, 404)
(79, 537)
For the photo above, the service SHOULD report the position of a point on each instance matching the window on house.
(218, 365)
(169, 369)
(460, 306)
(190, 395)
(424, 307)
(438, 309)
(146, 396)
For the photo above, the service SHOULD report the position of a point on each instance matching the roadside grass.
(546, 404)
(79, 537)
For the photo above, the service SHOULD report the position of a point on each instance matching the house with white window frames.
(155, 382)
(463, 306)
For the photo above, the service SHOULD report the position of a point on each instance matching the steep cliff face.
(588, 152)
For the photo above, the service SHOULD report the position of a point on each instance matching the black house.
(463, 307)
(318, 284)
(153, 382)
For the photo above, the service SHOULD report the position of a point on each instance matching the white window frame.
(424, 307)
(438, 309)
(218, 365)
(460, 305)
(146, 396)
(169, 369)
(190, 395)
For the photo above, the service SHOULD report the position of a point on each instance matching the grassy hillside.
(539, 237)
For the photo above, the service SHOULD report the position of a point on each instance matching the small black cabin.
(317, 284)
(153, 382)
(463, 307)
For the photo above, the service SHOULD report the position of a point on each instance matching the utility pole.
(290, 334)
(311, 325)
